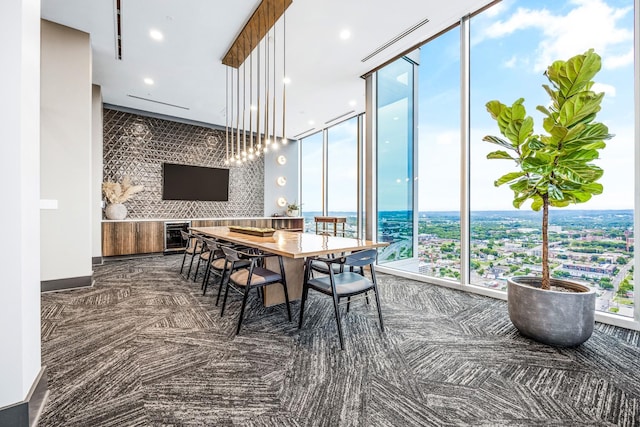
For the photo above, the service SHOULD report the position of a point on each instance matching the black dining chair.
(219, 266)
(254, 276)
(193, 248)
(345, 284)
(205, 254)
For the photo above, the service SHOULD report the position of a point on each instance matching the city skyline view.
(419, 179)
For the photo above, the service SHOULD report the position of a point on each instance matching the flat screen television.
(183, 182)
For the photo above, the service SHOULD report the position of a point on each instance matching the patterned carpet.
(145, 348)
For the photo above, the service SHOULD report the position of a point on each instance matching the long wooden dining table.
(294, 247)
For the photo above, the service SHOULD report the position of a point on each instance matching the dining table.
(294, 247)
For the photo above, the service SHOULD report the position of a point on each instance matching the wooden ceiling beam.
(261, 21)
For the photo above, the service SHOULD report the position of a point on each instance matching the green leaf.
(582, 107)
(555, 193)
(537, 203)
(499, 141)
(574, 75)
(499, 155)
(508, 178)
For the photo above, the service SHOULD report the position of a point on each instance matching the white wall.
(273, 170)
(19, 192)
(96, 171)
(66, 100)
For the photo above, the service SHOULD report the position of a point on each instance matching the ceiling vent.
(303, 133)
(157, 102)
(395, 39)
(339, 117)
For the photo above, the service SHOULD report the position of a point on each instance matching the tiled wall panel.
(137, 146)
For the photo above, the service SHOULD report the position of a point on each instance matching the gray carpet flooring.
(143, 347)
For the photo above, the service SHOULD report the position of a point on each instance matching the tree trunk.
(546, 284)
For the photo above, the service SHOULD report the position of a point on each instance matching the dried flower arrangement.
(116, 192)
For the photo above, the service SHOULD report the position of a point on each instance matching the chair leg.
(305, 291)
(224, 272)
(205, 279)
(184, 257)
(190, 264)
(375, 291)
(244, 303)
(195, 274)
(335, 306)
(224, 300)
(348, 303)
(286, 299)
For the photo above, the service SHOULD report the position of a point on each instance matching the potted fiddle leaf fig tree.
(554, 169)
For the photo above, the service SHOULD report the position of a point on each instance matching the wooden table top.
(291, 244)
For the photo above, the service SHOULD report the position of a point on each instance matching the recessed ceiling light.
(352, 103)
(148, 80)
(156, 35)
(286, 80)
(311, 122)
(345, 34)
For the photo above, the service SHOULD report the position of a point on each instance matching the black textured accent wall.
(137, 146)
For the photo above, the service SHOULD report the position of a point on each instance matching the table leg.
(294, 273)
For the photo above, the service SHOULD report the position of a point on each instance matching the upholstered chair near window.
(343, 284)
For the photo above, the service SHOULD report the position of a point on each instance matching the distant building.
(587, 270)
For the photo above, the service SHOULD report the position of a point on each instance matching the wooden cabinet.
(144, 237)
(132, 237)
(150, 237)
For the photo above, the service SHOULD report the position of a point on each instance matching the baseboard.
(27, 413)
(69, 283)
(15, 415)
(37, 397)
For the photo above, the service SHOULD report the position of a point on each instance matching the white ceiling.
(186, 66)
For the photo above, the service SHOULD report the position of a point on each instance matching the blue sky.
(512, 43)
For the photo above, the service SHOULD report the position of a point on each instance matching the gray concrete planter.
(563, 319)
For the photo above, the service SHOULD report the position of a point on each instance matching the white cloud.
(511, 63)
(617, 61)
(591, 24)
(609, 90)
(499, 8)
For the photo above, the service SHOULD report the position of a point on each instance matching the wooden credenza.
(144, 237)
(132, 237)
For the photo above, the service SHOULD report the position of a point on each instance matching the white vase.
(293, 212)
(116, 211)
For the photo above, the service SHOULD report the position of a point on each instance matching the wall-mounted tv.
(183, 182)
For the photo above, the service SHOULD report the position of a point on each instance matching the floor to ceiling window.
(439, 157)
(511, 47)
(395, 180)
(511, 44)
(342, 173)
(330, 174)
(311, 179)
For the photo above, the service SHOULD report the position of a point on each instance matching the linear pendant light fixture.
(262, 36)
